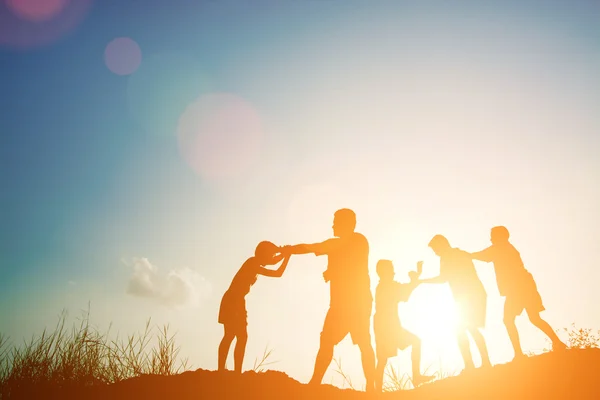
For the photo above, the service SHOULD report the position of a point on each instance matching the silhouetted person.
(232, 313)
(389, 333)
(350, 294)
(458, 270)
(517, 285)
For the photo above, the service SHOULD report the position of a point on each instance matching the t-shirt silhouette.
(458, 268)
(387, 296)
(348, 269)
(508, 266)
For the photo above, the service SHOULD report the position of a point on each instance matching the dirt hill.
(571, 374)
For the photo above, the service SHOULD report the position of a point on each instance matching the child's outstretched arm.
(276, 259)
(277, 272)
(409, 287)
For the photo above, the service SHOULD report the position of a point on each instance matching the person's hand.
(327, 275)
(419, 268)
(414, 276)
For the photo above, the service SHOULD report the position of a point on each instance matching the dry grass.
(260, 365)
(345, 377)
(581, 338)
(83, 356)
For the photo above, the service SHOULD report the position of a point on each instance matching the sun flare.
(430, 313)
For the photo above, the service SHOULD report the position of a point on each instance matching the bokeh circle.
(123, 56)
(28, 24)
(220, 135)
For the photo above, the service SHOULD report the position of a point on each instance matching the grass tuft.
(83, 356)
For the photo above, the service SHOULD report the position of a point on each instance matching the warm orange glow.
(431, 313)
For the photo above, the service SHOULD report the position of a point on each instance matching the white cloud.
(178, 287)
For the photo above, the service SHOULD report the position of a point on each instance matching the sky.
(147, 147)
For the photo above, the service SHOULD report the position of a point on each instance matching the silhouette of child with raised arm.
(389, 333)
(232, 313)
(517, 285)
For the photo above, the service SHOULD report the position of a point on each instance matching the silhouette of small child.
(389, 333)
(232, 312)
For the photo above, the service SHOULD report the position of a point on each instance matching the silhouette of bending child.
(516, 284)
(457, 269)
(389, 333)
(232, 313)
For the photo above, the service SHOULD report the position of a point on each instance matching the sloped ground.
(571, 374)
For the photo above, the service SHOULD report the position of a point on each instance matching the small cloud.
(178, 287)
(72, 283)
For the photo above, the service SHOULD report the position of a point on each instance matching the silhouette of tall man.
(351, 300)
(517, 285)
(457, 269)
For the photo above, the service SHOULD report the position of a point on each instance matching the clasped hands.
(415, 275)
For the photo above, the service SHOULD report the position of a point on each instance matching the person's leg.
(240, 349)
(415, 357)
(465, 349)
(368, 362)
(224, 347)
(409, 339)
(481, 345)
(511, 310)
(324, 357)
(333, 332)
(381, 363)
(361, 335)
(545, 327)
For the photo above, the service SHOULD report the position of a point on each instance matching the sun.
(431, 313)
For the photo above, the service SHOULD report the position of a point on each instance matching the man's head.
(499, 234)
(385, 269)
(344, 222)
(265, 252)
(439, 244)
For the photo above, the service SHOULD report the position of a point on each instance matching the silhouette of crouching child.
(390, 336)
(232, 312)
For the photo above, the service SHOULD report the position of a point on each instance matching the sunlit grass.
(581, 338)
(346, 380)
(261, 364)
(84, 356)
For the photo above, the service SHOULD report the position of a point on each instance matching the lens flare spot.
(220, 135)
(432, 314)
(36, 10)
(123, 56)
(33, 23)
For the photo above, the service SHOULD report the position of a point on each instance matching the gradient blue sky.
(425, 117)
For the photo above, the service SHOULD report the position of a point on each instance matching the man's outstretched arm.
(302, 248)
(316, 248)
(441, 278)
(485, 255)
